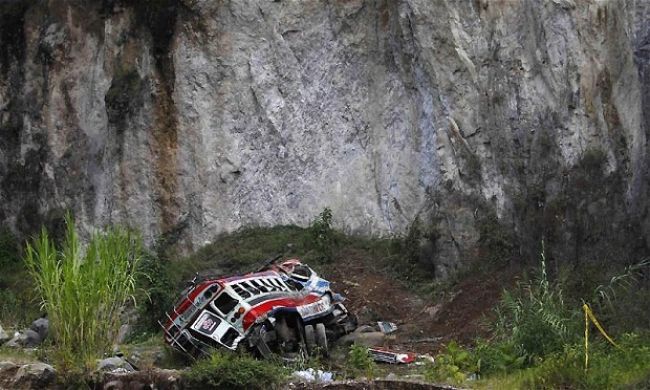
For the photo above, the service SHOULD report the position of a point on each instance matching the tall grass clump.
(535, 318)
(83, 289)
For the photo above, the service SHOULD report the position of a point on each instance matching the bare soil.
(425, 323)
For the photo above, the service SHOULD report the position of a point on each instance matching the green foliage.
(605, 294)
(497, 357)
(609, 368)
(323, 238)
(154, 291)
(241, 251)
(454, 364)
(232, 371)
(496, 242)
(9, 251)
(412, 240)
(83, 290)
(359, 362)
(535, 317)
(16, 307)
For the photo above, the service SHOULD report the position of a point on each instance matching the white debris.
(313, 376)
(387, 327)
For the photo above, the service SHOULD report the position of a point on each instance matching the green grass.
(17, 356)
(610, 368)
(539, 336)
(83, 290)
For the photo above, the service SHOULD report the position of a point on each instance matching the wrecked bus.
(284, 309)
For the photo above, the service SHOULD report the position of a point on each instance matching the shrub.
(609, 368)
(499, 357)
(232, 371)
(15, 289)
(324, 239)
(359, 362)
(454, 364)
(155, 291)
(83, 289)
(535, 317)
(496, 242)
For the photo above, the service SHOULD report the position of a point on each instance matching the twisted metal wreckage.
(284, 309)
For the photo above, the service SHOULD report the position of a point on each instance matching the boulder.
(17, 341)
(27, 339)
(114, 364)
(34, 376)
(32, 338)
(7, 372)
(41, 326)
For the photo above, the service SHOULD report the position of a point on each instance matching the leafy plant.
(15, 290)
(83, 289)
(323, 237)
(232, 371)
(609, 368)
(605, 294)
(497, 357)
(496, 242)
(535, 317)
(454, 364)
(154, 290)
(359, 362)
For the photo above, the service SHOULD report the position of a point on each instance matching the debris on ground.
(313, 376)
(386, 327)
(386, 356)
(282, 309)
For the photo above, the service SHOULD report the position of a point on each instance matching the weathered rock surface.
(114, 363)
(25, 339)
(27, 376)
(41, 326)
(189, 118)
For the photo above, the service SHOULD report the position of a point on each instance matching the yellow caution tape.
(589, 315)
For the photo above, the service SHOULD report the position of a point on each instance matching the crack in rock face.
(194, 117)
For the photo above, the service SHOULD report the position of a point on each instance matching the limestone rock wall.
(194, 117)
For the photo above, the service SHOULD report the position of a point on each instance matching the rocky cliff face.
(496, 122)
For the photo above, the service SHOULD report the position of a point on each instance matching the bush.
(500, 357)
(15, 290)
(609, 368)
(535, 318)
(155, 291)
(232, 371)
(323, 239)
(359, 362)
(454, 364)
(496, 242)
(83, 289)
